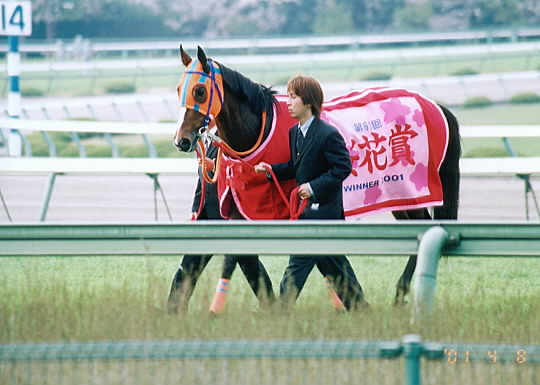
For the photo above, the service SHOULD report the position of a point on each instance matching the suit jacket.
(324, 162)
(211, 203)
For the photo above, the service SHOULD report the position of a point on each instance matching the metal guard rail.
(487, 239)
(261, 349)
(412, 349)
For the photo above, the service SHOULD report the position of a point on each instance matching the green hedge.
(464, 72)
(66, 148)
(525, 98)
(477, 101)
(120, 88)
(486, 152)
(31, 92)
(377, 76)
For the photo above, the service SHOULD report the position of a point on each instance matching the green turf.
(81, 299)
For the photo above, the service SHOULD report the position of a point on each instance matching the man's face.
(297, 108)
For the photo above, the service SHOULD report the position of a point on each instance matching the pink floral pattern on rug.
(372, 195)
(419, 176)
(395, 111)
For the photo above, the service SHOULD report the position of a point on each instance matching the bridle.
(213, 85)
(203, 132)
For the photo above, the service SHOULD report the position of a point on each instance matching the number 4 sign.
(15, 18)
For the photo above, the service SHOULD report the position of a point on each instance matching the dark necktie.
(299, 141)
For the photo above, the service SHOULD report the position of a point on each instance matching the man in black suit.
(192, 266)
(320, 162)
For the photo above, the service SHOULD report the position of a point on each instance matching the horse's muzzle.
(184, 145)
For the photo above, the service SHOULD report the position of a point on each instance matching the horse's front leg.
(404, 282)
(258, 279)
(184, 282)
(219, 302)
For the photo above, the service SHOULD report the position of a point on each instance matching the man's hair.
(309, 90)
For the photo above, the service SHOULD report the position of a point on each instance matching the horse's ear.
(186, 59)
(202, 59)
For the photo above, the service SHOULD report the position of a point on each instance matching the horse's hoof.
(158, 309)
(362, 306)
(168, 310)
(401, 292)
(174, 308)
(400, 301)
(171, 309)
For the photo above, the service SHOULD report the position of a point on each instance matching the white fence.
(475, 166)
(522, 167)
(297, 43)
(356, 56)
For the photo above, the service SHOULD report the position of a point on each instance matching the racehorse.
(245, 113)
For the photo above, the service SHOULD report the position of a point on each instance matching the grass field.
(86, 299)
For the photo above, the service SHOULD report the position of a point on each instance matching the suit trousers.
(336, 268)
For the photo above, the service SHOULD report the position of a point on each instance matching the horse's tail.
(449, 171)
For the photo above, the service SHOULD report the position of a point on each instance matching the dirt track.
(131, 199)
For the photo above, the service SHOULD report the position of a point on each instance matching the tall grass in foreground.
(120, 298)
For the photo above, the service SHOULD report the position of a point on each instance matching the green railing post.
(5, 206)
(429, 252)
(412, 350)
(47, 197)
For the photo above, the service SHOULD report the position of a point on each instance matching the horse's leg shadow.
(404, 282)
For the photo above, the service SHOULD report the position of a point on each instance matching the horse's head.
(200, 92)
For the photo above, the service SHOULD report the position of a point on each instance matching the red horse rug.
(396, 138)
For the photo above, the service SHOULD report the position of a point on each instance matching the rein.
(201, 156)
(223, 147)
(295, 210)
(229, 150)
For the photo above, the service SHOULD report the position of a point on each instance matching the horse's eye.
(199, 93)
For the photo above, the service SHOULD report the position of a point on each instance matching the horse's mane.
(259, 97)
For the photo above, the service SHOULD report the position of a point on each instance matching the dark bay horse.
(243, 112)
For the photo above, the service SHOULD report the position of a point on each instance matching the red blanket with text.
(396, 138)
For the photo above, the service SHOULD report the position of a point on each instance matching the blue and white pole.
(14, 95)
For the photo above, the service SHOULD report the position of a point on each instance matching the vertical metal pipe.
(412, 350)
(47, 197)
(429, 252)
